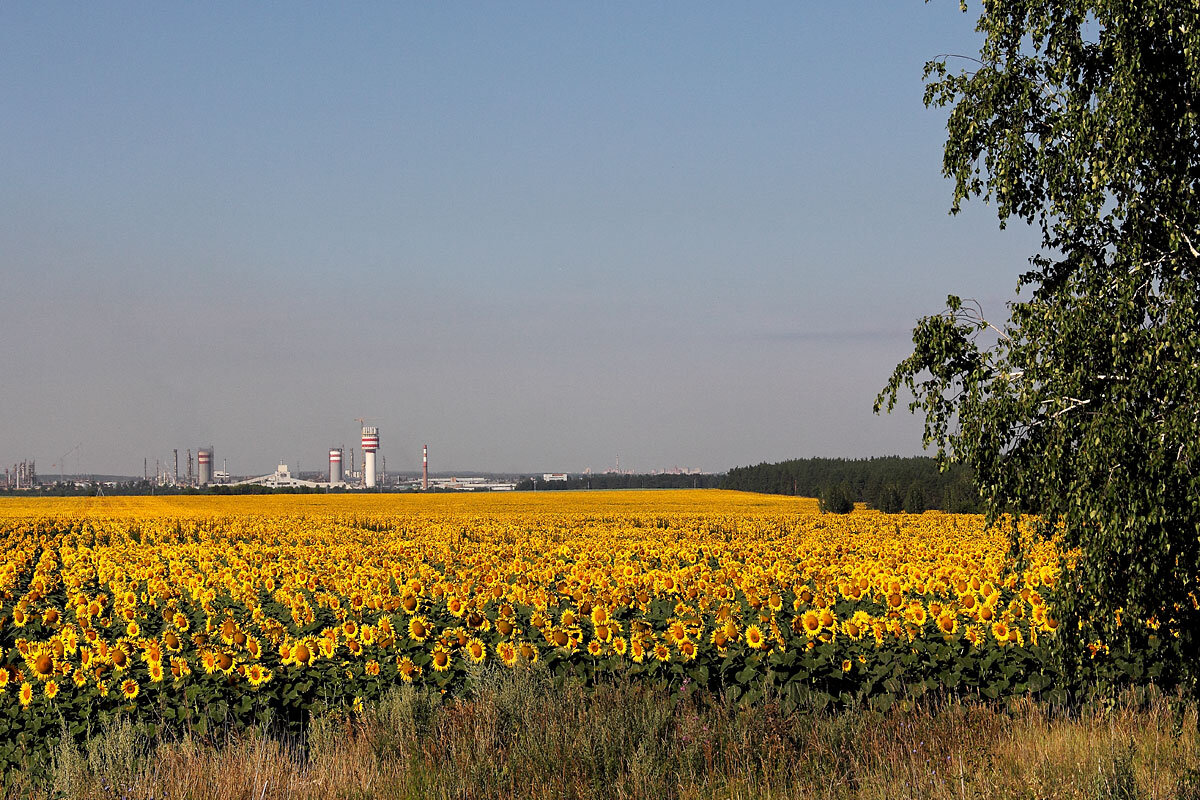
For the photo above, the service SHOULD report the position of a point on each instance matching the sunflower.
(51, 689)
(662, 652)
(947, 623)
(754, 637)
(1000, 631)
(441, 659)
(847, 665)
(475, 650)
(156, 671)
(528, 651)
(119, 657)
(372, 668)
(687, 649)
(179, 667)
(409, 604)
(810, 622)
(256, 675)
(152, 652)
(133, 630)
(406, 668)
(42, 665)
(79, 678)
(25, 695)
(619, 645)
(129, 688)
(301, 654)
(594, 648)
(507, 653)
(418, 629)
(676, 632)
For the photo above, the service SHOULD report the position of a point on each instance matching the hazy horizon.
(532, 236)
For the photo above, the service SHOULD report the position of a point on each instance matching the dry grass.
(520, 736)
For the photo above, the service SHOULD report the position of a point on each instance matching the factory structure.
(181, 471)
(337, 476)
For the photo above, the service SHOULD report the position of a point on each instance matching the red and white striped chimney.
(424, 466)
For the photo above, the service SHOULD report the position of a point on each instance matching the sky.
(537, 236)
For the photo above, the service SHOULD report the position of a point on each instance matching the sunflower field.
(211, 614)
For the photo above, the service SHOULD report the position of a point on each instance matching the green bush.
(890, 499)
(836, 499)
(914, 501)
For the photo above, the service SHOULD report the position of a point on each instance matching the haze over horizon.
(531, 235)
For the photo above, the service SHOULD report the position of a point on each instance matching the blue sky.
(533, 235)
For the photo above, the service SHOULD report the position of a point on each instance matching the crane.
(63, 460)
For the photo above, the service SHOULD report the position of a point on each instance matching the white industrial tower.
(370, 444)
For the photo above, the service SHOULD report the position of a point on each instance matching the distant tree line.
(890, 484)
(623, 481)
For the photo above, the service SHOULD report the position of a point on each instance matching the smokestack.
(204, 463)
(335, 465)
(425, 466)
(370, 444)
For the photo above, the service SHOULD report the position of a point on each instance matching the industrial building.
(370, 444)
(281, 478)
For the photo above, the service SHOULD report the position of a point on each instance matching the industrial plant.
(189, 470)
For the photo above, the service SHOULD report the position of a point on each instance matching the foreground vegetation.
(515, 734)
(204, 628)
(236, 613)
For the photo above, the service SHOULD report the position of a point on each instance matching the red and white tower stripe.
(204, 466)
(335, 465)
(370, 444)
(424, 466)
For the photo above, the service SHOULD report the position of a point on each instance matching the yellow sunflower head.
(754, 637)
(418, 629)
(507, 653)
(441, 659)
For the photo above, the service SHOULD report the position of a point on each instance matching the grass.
(520, 736)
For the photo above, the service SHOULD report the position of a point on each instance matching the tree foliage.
(868, 480)
(835, 499)
(1080, 117)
